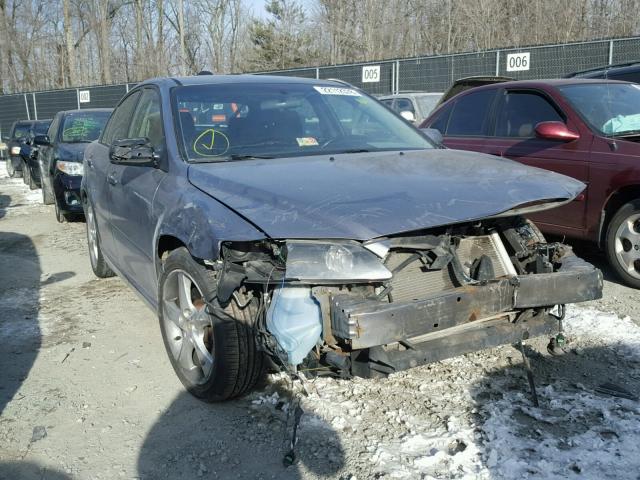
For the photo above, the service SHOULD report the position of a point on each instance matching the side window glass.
(404, 105)
(388, 102)
(470, 114)
(441, 120)
(146, 121)
(520, 112)
(118, 125)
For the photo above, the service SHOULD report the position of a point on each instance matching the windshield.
(428, 103)
(231, 122)
(21, 131)
(613, 109)
(80, 127)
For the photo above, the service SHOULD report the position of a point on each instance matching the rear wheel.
(98, 263)
(31, 181)
(214, 355)
(623, 243)
(25, 172)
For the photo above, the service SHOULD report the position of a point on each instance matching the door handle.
(111, 178)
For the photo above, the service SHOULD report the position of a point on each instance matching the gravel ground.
(87, 392)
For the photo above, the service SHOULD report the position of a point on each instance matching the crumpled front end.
(392, 303)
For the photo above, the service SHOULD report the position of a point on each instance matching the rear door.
(516, 116)
(97, 168)
(465, 123)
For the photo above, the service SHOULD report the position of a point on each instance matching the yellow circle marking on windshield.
(201, 143)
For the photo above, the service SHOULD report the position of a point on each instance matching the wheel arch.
(616, 200)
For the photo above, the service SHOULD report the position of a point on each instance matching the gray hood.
(367, 195)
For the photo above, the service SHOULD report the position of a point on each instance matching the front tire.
(47, 195)
(214, 355)
(98, 263)
(13, 173)
(60, 217)
(623, 243)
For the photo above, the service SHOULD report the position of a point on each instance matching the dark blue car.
(60, 154)
(286, 223)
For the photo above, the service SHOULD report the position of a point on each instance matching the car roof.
(617, 68)
(553, 82)
(244, 79)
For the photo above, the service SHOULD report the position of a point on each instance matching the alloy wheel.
(92, 236)
(627, 245)
(188, 326)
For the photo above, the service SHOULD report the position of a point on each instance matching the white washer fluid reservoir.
(295, 320)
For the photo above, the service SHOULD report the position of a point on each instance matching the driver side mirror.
(134, 152)
(41, 140)
(555, 131)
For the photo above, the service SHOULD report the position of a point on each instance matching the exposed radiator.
(414, 281)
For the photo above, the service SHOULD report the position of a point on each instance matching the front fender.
(197, 220)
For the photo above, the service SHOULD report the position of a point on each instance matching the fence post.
(317, 73)
(610, 52)
(35, 107)
(497, 63)
(26, 105)
(78, 97)
(397, 85)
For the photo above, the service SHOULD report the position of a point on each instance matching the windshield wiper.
(236, 156)
(353, 150)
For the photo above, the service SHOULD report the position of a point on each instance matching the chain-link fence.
(429, 73)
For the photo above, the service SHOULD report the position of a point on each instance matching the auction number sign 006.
(518, 62)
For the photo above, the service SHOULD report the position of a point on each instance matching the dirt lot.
(87, 392)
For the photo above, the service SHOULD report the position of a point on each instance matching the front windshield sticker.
(621, 124)
(349, 92)
(307, 142)
(81, 128)
(211, 143)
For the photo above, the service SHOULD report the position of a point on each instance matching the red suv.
(587, 129)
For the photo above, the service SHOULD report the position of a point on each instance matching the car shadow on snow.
(242, 439)
(577, 431)
(19, 305)
(5, 201)
(28, 471)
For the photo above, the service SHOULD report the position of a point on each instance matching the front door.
(131, 192)
(517, 114)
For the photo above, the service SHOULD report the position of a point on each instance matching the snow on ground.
(14, 194)
(472, 416)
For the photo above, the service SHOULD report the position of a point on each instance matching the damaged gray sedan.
(294, 224)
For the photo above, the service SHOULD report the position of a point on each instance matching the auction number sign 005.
(518, 62)
(370, 73)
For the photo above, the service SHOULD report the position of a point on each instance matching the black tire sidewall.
(100, 269)
(622, 214)
(213, 389)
